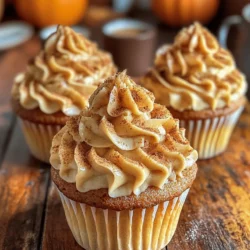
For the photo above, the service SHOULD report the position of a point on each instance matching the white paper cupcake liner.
(210, 137)
(138, 229)
(39, 138)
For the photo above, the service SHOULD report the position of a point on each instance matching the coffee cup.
(132, 44)
(243, 19)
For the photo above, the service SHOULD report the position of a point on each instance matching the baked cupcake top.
(63, 75)
(123, 142)
(195, 73)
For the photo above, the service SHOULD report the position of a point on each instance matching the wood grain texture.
(216, 215)
(23, 185)
(12, 62)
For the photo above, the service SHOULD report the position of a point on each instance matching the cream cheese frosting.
(195, 73)
(63, 75)
(123, 142)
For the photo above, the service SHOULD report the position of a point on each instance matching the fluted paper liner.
(210, 136)
(139, 229)
(39, 138)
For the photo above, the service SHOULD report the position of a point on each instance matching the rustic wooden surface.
(216, 214)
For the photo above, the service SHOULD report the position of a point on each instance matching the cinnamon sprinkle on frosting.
(195, 73)
(63, 75)
(123, 142)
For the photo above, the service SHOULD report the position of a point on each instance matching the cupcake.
(199, 83)
(57, 84)
(123, 169)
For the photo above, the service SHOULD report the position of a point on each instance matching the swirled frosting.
(195, 73)
(63, 75)
(123, 142)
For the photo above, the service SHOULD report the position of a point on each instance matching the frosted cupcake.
(57, 84)
(123, 169)
(200, 84)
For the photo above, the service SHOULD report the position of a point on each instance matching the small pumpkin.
(177, 13)
(43, 13)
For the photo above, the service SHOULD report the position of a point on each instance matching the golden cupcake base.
(209, 131)
(39, 138)
(39, 129)
(210, 137)
(146, 221)
(152, 196)
(149, 228)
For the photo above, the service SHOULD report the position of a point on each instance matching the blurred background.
(27, 21)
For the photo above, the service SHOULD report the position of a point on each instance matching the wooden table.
(216, 214)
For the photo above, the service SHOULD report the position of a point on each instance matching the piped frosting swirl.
(63, 75)
(123, 142)
(195, 73)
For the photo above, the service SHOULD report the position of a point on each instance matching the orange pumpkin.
(178, 13)
(43, 13)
